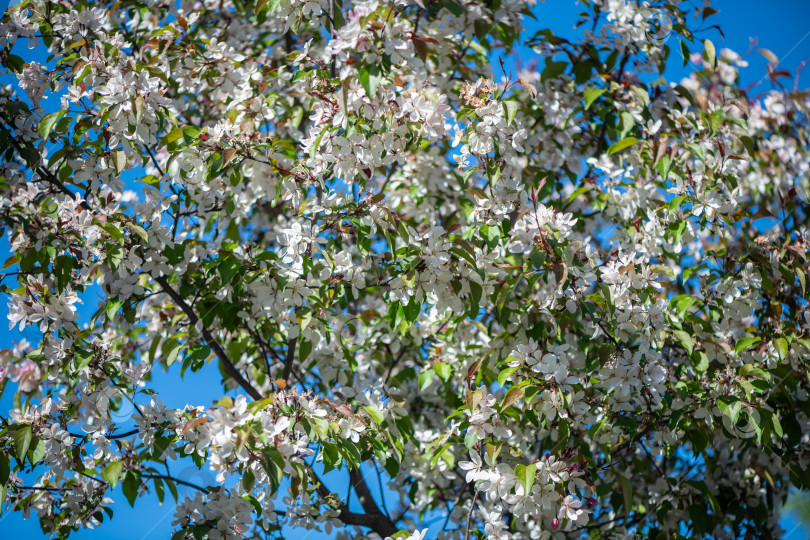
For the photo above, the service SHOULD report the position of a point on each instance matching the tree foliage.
(561, 295)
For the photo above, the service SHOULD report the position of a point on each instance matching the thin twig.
(206, 334)
(469, 515)
(288, 361)
(176, 481)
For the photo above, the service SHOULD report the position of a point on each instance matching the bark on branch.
(373, 518)
(288, 361)
(230, 369)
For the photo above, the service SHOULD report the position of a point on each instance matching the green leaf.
(454, 8)
(510, 108)
(5, 468)
(112, 472)
(552, 70)
(591, 95)
(228, 269)
(563, 435)
(395, 314)
(676, 202)
(82, 358)
(131, 486)
(413, 309)
(481, 28)
(470, 439)
(701, 486)
(621, 145)
(731, 407)
(682, 303)
(748, 143)
(173, 488)
(200, 532)
(190, 134)
(320, 426)
(172, 356)
(160, 490)
(677, 229)
(331, 457)
(476, 292)
(750, 370)
(663, 166)
(700, 361)
(113, 230)
(304, 349)
(699, 518)
(22, 440)
(685, 340)
(370, 78)
(300, 74)
(36, 451)
(375, 413)
(607, 292)
(444, 371)
(627, 122)
(119, 160)
(425, 378)
(711, 56)
(48, 121)
(663, 269)
(314, 148)
(526, 475)
(627, 492)
(296, 117)
(777, 425)
(781, 346)
(576, 193)
(685, 52)
(174, 135)
(745, 343)
(140, 231)
(273, 464)
(62, 270)
(248, 480)
(10, 261)
(504, 375)
(113, 305)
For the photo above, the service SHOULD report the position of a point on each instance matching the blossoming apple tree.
(526, 286)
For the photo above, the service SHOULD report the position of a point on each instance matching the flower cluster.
(526, 283)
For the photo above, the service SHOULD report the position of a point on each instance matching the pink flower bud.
(555, 524)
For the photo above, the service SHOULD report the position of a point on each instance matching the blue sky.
(783, 26)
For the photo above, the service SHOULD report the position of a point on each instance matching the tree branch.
(48, 176)
(367, 500)
(288, 361)
(469, 516)
(176, 481)
(373, 518)
(111, 436)
(206, 334)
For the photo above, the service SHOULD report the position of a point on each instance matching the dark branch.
(373, 518)
(176, 481)
(230, 369)
(288, 361)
